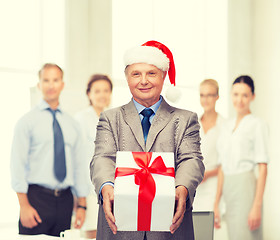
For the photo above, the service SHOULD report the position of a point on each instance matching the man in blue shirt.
(48, 163)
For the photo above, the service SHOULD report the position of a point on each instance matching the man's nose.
(51, 84)
(144, 79)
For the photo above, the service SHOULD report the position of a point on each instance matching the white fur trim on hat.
(147, 54)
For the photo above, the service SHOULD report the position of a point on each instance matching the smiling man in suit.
(148, 124)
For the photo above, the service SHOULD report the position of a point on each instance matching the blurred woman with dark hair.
(242, 146)
(99, 90)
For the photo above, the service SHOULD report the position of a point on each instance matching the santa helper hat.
(154, 53)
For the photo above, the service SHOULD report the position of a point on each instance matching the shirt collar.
(43, 105)
(140, 107)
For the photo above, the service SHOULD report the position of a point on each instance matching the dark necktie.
(147, 113)
(59, 152)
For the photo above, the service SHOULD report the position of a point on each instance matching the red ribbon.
(146, 182)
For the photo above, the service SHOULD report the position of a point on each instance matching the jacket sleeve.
(102, 166)
(189, 164)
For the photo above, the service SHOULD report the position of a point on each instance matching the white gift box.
(126, 194)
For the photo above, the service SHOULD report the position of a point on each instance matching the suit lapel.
(162, 117)
(131, 117)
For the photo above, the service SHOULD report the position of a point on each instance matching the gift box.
(144, 191)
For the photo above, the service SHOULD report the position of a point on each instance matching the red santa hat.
(155, 53)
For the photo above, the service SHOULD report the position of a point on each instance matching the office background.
(218, 39)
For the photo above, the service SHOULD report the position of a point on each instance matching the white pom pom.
(173, 94)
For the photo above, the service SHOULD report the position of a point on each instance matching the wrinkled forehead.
(142, 67)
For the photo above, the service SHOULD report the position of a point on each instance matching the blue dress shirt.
(139, 109)
(32, 157)
(154, 107)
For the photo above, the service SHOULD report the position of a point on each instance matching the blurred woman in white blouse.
(242, 146)
(210, 122)
(99, 90)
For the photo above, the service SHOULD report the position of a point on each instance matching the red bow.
(146, 182)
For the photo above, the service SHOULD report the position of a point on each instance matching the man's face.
(145, 82)
(51, 83)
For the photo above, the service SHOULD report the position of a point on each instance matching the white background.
(209, 38)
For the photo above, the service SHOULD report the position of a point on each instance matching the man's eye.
(152, 73)
(136, 74)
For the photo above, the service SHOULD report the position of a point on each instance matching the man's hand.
(108, 203)
(29, 217)
(80, 218)
(180, 205)
(80, 212)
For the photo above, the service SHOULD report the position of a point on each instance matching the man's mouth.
(145, 89)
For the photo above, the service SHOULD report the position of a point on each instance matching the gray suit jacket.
(172, 130)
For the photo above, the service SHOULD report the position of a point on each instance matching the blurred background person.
(242, 146)
(210, 122)
(99, 91)
(47, 162)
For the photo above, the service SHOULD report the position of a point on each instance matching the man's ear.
(217, 97)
